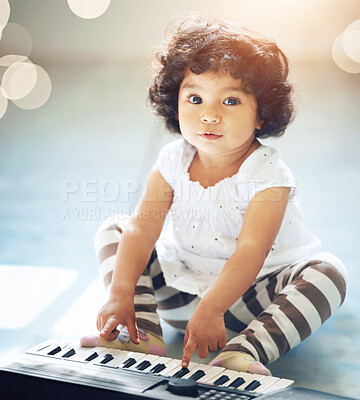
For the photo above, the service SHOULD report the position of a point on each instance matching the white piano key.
(119, 355)
(132, 354)
(248, 378)
(260, 379)
(265, 383)
(170, 366)
(41, 346)
(84, 352)
(203, 367)
(46, 350)
(228, 372)
(161, 360)
(254, 377)
(65, 349)
(212, 374)
(152, 358)
(235, 376)
(190, 367)
(280, 384)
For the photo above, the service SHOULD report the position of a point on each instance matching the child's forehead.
(220, 79)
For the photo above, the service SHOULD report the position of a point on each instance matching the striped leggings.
(276, 313)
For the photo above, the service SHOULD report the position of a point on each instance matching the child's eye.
(232, 101)
(195, 99)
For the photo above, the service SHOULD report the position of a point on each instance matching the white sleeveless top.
(203, 223)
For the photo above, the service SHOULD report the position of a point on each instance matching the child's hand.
(117, 310)
(205, 331)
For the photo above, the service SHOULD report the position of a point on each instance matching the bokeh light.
(4, 14)
(341, 59)
(89, 9)
(351, 41)
(18, 80)
(40, 94)
(3, 105)
(15, 40)
(11, 59)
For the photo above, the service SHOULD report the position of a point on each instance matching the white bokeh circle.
(40, 94)
(341, 59)
(16, 40)
(3, 105)
(351, 41)
(10, 59)
(88, 9)
(4, 14)
(18, 80)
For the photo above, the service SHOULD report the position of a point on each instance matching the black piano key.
(92, 356)
(237, 382)
(223, 379)
(106, 359)
(197, 375)
(182, 372)
(157, 368)
(129, 362)
(252, 385)
(143, 365)
(70, 353)
(54, 351)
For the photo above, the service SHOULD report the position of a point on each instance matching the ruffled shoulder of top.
(265, 168)
(174, 158)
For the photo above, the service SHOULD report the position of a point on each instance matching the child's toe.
(90, 341)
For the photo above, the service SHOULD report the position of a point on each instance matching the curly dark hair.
(201, 45)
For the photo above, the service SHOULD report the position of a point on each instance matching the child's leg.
(174, 307)
(147, 319)
(282, 309)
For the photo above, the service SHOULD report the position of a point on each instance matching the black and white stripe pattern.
(287, 306)
(276, 313)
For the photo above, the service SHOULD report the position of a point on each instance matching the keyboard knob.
(182, 386)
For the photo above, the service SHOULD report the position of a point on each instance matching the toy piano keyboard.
(57, 369)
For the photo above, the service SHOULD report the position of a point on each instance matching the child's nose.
(211, 117)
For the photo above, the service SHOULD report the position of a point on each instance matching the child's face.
(214, 102)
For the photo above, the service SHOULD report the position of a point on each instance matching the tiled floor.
(53, 159)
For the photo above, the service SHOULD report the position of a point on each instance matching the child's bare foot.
(149, 343)
(238, 361)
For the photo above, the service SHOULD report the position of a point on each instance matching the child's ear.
(259, 123)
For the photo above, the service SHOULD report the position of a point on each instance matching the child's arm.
(262, 221)
(134, 250)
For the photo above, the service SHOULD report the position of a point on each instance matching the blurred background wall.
(128, 31)
(95, 127)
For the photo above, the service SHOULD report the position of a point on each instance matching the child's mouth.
(210, 136)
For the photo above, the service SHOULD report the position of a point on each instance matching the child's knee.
(335, 276)
(335, 262)
(328, 277)
(116, 223)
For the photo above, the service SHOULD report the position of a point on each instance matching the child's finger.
(110, 336)
(110, 325)
(188, 352)
(186, 337)
(133, 332)
(222, 343)
(202, 351)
